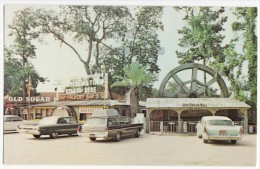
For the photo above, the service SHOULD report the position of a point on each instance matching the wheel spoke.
(194, 79)
(203, 88)
(181, 83)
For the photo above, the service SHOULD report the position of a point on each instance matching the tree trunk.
(134, 102)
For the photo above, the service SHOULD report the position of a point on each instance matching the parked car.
(107, 124)
(218, 128)
(52, 126)
(11, 122)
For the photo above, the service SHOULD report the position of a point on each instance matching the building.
(182, 114)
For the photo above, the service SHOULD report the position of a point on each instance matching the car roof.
(216, 118)
(11, 116)
(56, 117)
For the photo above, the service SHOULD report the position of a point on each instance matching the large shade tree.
(246, 29)
(201, 38)
(17, 67)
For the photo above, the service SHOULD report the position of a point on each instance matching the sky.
(59, 63)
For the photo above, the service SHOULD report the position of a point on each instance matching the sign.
(89, 109)
(194, 105)
(94, 87)
(29, 99)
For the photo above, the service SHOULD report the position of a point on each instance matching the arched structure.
(197, 88)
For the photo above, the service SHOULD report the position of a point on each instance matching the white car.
(12, 121)
(218, 128)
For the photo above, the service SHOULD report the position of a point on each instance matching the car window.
(62, 121)
(8, 119)
(123, 120)
(70, 120)
(112, 122)
(219, 123)
(17, 119)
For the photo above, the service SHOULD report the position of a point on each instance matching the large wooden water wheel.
(194, 87)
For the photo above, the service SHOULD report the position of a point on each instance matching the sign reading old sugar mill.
(94, 87)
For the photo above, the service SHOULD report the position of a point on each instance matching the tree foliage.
(17, 67)
(137, 76)
(201, 37)
(247, 28)
(113, 36)
(139, 43)
(16, 76)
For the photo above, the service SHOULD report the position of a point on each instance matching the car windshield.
(48, 120)
(219, 123)
(96, 120)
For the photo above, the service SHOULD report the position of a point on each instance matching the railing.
(172, 126)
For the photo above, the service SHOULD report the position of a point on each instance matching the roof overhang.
(195, 103)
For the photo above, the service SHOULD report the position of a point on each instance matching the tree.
(247, 28)
(110, 35)
(201, 38)
(16, 75)
(139, 43)
(88, 25)
(22, 47)
(137, 76)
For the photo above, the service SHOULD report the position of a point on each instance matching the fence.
(172, 126)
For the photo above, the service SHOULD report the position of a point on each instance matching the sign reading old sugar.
(90, 88)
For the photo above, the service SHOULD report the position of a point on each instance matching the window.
(219, 123)
(112, 122)
(17, 119)
(70, 120)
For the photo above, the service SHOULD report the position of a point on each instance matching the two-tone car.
(12, 121)
(107, 124)
(218, 128)
(52, 126)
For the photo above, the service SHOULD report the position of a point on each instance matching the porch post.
(179, 120)
(245, 120)
(213, 111)
(148, 120)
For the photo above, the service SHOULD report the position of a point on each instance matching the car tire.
(36, 136)
(205, 141)
(117, 137)
(137, 134)
(54, 135)
(233, 141)
(92, 138)
(199, 136)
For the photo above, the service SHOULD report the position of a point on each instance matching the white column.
(179, 120)
(213, 111)
(245, 120)
(148, 120)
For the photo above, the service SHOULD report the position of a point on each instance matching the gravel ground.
(148, 150)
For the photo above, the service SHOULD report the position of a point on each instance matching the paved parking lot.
(149, 150)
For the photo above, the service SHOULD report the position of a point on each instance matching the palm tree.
(136, 77)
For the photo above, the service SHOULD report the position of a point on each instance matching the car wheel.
(137, 134)
(36, 136)
(54, 135)
(233, 141)
(199, 136)
(205, 141)
(117, 137)
(92, 138)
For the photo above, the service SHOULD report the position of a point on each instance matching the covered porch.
(189, 110)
